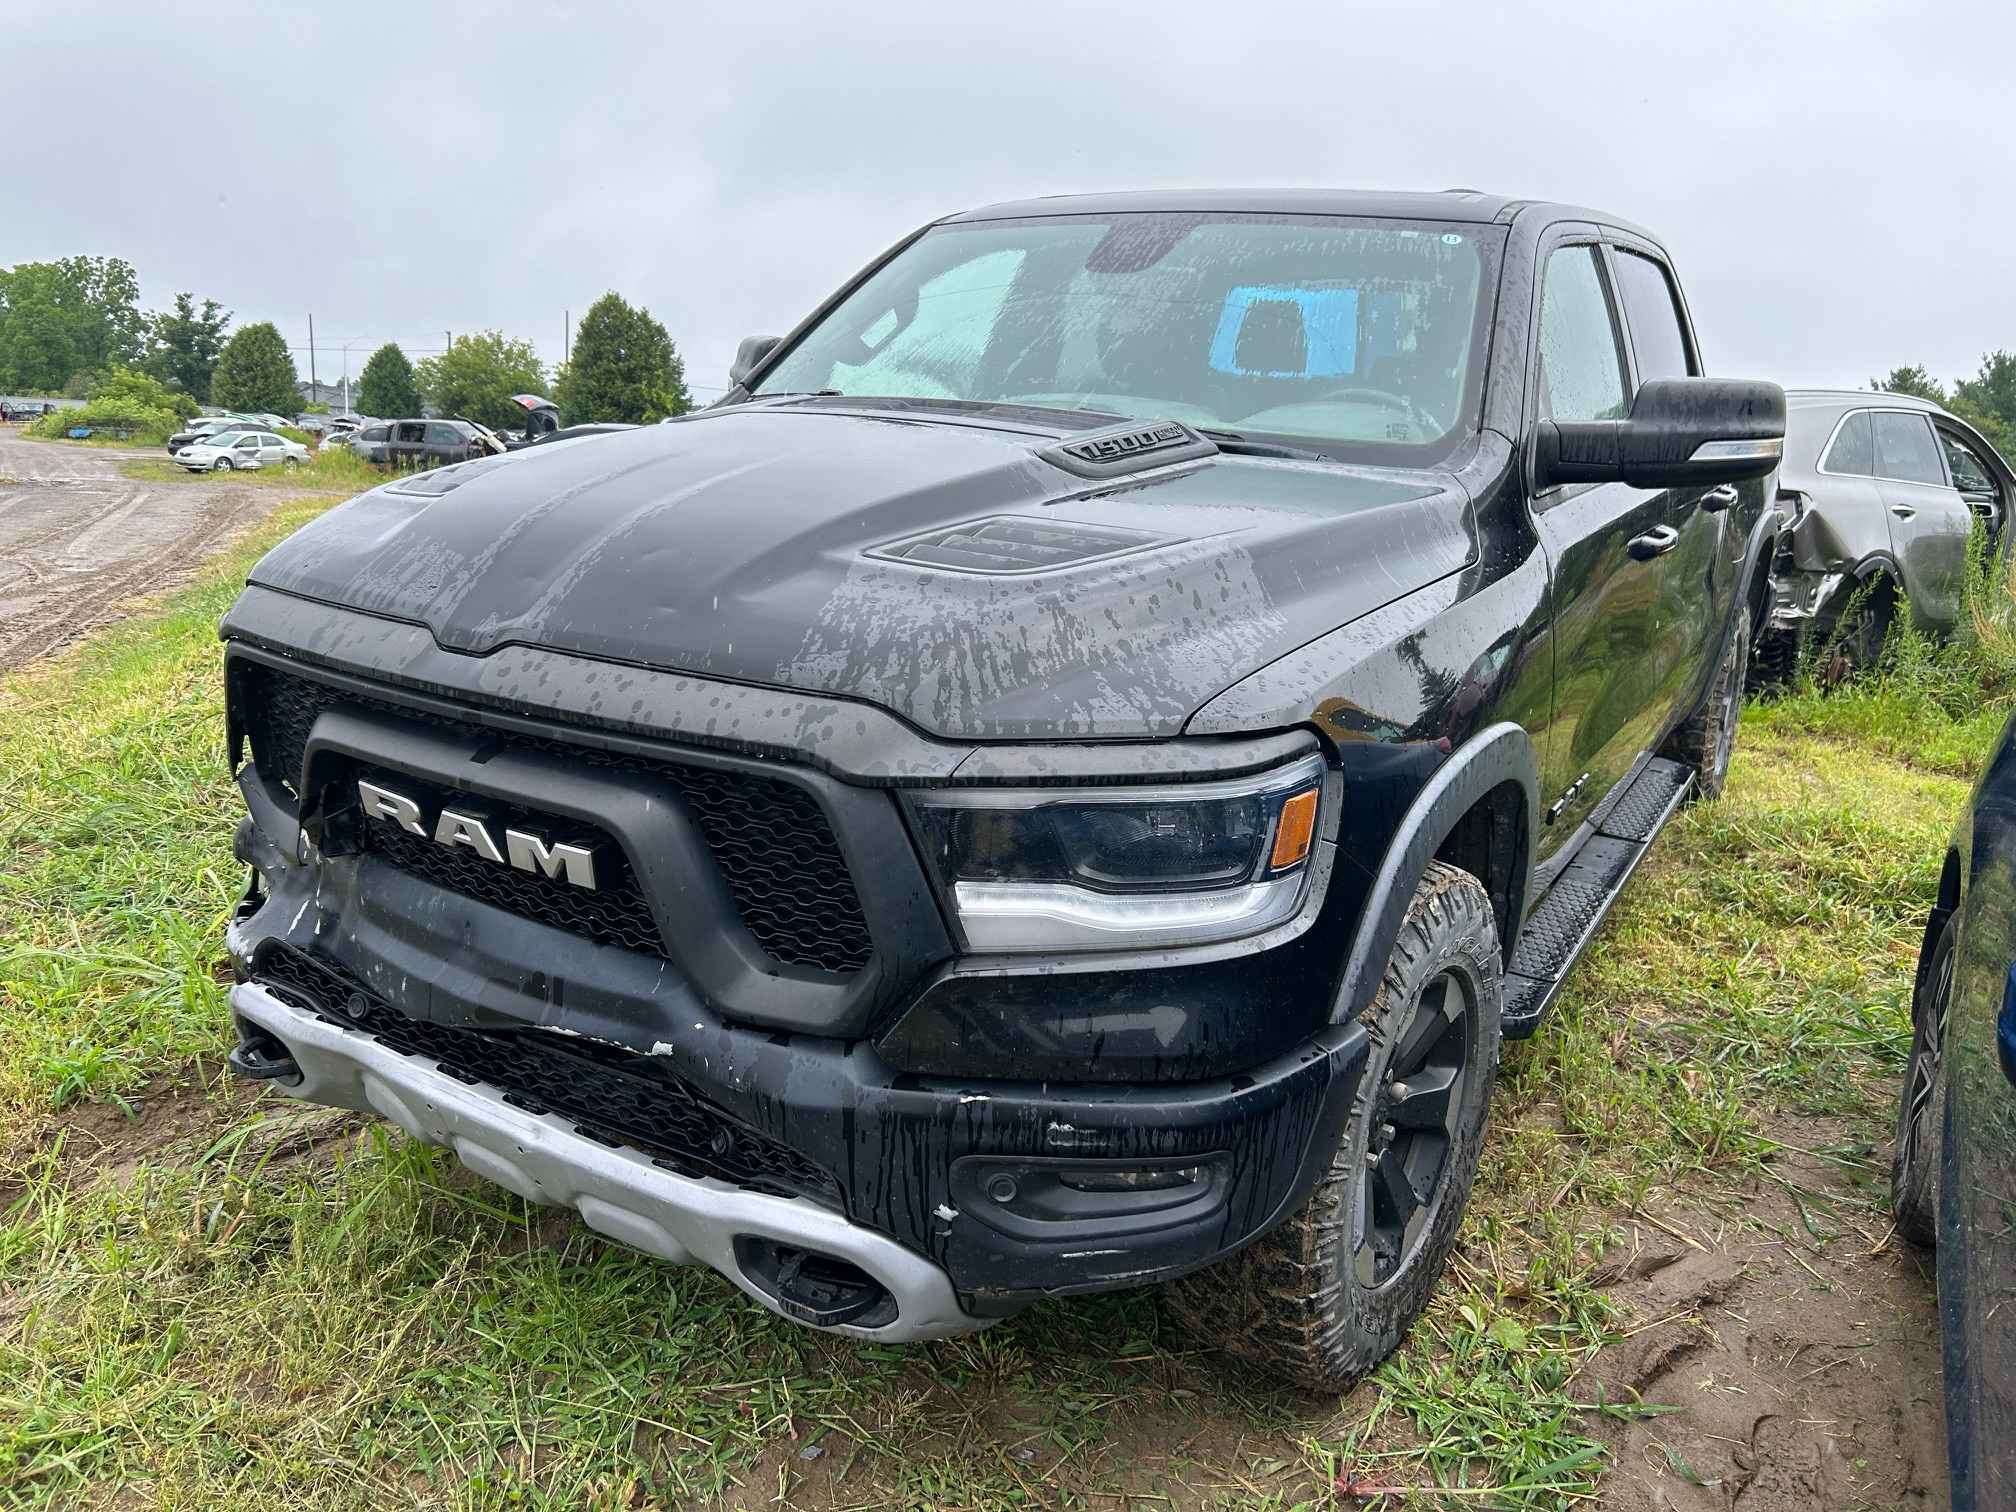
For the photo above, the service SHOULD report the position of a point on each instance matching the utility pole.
(314, 388)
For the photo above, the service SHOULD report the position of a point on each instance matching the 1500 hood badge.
(522, 850)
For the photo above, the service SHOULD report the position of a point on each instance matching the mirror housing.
(1682, 432)
(749, 357)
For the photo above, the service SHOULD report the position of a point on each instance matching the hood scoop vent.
(1016, 543)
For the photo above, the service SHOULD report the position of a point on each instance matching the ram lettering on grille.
(523, 850)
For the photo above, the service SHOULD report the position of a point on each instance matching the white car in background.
(247, 450)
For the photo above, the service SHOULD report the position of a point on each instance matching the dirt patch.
(79, 542)
(171, 1118)
(1797, 1336)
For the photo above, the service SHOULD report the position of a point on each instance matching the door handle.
(1657, 541)
(1718, 499)
(1902, 511)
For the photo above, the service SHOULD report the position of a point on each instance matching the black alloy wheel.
(1413, 1128)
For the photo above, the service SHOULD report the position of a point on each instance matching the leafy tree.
(1912, 380)
(131, 386)
(1988, 400)
(77, 314)
(387, 388)
(254, 372)
(476, 377)
(127, 399)
(184, 344)
(623, 367)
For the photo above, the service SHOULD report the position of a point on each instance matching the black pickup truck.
(1060, 782)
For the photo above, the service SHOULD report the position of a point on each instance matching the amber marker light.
(1292, 836)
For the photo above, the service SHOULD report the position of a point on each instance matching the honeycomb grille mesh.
(775, 851)
(610, 1094)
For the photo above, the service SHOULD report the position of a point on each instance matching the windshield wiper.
(1239, 444)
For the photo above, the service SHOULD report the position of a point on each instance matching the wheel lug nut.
(1371, 1159)
(1386, 1133)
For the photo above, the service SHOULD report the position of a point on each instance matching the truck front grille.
(775, 850)
(610, 1094)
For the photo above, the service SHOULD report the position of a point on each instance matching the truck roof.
(1470, 206)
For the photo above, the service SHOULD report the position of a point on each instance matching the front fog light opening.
(1085, 869)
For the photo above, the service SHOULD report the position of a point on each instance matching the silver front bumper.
(618, 1192)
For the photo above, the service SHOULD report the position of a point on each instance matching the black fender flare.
(1495, 755)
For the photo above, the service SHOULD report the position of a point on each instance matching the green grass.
(332, 470)
(266, 1316)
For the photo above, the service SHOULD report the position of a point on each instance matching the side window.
(411, 432)
(271, 443)
(376, 433)
(1581, 366)
(1905, 449)
(1854, 448)
(1657, 336)
(1970, 474)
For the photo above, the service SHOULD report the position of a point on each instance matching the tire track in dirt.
(78, 541)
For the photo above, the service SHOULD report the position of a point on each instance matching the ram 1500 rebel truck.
(1059, 782)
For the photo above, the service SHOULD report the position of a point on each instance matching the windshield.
(223, 438)
(1364, 334)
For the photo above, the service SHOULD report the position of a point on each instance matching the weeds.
(334, 469)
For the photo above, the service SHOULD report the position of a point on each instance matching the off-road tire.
(1921, 1110)
(1292, 1303)
(1707, 741)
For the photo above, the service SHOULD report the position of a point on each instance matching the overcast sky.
(1832, 179)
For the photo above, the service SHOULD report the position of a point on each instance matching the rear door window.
(1581, 364)
(1853, 450)
(1658, 339)
(1906, 449)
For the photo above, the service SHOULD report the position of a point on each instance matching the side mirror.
(1681, 432)
(749, 356)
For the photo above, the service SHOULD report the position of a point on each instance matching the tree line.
(75, 327)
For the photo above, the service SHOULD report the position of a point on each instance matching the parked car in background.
(242, 450)
(424, 443)
(15, 410)
(1956, 1132)
(203, 427)
(1877, 498)
(575, 432)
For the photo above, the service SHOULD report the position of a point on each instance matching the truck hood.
(844, 552)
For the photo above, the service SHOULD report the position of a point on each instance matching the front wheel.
(1914, 1164)
(222, 464)
(1330, 1292)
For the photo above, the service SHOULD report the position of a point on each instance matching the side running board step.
(1558, 931)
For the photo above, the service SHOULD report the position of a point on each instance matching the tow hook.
(258, 1056)
(822, 1290)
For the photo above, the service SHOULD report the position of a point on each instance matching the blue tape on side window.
(1329, 329)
